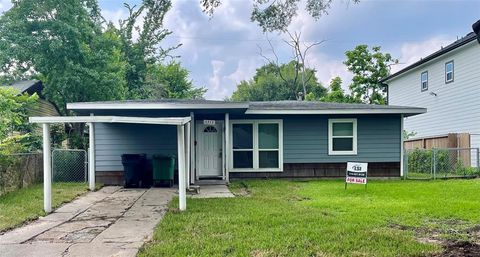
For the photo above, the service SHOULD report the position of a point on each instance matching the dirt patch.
(458, 238)
(460, 249)
(243, 190)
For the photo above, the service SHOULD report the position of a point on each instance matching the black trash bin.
(134, 169)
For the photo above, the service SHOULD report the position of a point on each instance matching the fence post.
(478, 156)
(434, 152)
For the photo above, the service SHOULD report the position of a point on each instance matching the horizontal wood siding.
(113, 140)
(306, 139)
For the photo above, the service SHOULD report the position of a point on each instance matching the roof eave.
(427, 59)
(153, 106)
(405, 111)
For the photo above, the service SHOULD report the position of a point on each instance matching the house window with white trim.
(257, 145)
(342, 136)
(449, 72)
(424, 81)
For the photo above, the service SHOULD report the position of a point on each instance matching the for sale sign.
(356, 173)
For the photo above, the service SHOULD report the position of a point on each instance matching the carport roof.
(267, 107)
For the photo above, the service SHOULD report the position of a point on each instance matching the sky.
(222, 50)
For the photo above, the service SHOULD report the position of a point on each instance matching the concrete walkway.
(213, 191)
(110, 222)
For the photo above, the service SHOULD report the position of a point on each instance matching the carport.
(183, 143)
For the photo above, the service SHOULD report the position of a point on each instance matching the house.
(252, 140)
(227, 140)
(447, 83)
(43, 106)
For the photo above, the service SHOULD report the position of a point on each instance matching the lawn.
(320, 218)
(26, 204)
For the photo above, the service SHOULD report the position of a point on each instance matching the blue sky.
(222, 51)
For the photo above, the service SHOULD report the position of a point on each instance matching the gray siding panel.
(306, 139)
(113, 140)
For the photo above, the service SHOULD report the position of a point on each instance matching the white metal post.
(401, 146)
(227, 146)
(187, 155)
(192, 148)
(47, 169)
(181, 168)
(91, 156)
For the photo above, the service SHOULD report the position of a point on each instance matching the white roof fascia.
(153, 106)
(341, 111)
(111, 119)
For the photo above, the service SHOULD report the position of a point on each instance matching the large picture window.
(256, 145)
(342, 136)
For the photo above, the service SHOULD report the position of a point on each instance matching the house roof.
(268, 107)
(27, 86)
(458, 43)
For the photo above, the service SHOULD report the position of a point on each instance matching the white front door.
(209, 149)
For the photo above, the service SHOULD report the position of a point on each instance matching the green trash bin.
(163, 167)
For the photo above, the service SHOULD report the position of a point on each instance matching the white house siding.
(456, 108)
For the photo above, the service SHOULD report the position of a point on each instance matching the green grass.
(320, 218)
(26, 204)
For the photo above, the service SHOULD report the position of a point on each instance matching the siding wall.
(113, 140)
(455, 109)
(305, 140)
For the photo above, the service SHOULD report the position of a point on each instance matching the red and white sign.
(356, 173)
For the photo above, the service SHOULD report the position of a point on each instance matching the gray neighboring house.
(229, 140)
(447, 83)
(43, 106)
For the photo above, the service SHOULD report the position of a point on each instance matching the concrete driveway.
(110, 222)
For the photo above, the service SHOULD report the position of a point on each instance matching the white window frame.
(256, 150)
(422, 81)
(446, 72)
(330, 137)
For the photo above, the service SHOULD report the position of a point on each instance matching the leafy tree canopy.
(171, 81)
(274, 83)
(61, 42)
(368, 66)
(276, 15)
(15, 130)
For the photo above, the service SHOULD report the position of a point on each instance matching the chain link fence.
(20, 170)
(441, 163)
(69, 165)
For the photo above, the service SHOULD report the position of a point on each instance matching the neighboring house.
(447, 83)
(43, 106)
(248, 139)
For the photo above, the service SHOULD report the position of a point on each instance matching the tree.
(171, 81)
(368, 68)
(15, 130)
(276, 15)
(335, 92)
(62, 43)
(275, 83)
(145, 50)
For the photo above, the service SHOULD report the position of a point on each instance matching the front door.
(209, 150)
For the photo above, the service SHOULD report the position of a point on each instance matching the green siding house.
(228, 140)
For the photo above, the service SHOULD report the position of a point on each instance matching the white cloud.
(115, 15)
(216, 90)
(5, 5)
(411, 52)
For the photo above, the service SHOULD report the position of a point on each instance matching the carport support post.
(187, 153)
(181, 168)
(47, 169)
(91, 156)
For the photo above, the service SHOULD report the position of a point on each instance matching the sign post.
(356, 173)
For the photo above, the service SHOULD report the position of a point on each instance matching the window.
(342, 136)
(257, 145)
(424, 81)
(449, 72)
(210, 129)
